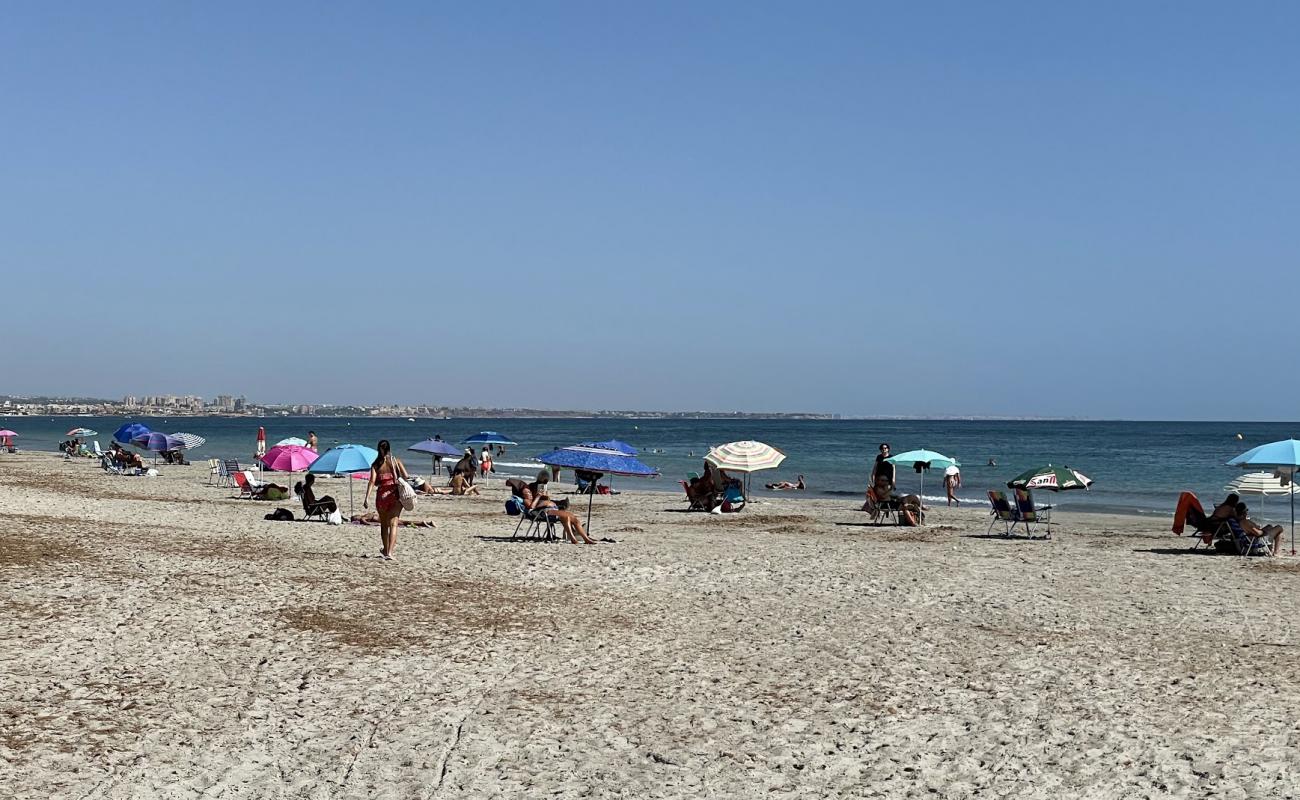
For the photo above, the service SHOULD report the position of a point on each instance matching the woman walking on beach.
(384, 473)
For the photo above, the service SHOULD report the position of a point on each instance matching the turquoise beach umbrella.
(1283, 457)
(923, 459)
(345, 459)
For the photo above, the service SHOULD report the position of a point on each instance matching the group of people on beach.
(1229, 525)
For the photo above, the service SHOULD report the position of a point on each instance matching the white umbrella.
(1266, 484)
(191, 441)
(294, 440)
(746, 456)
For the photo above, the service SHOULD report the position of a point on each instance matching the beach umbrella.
(289, 458)
(157, 443)
(190, 440)
(922, 460)
(488, 437)
(1050, 478)
(345, 459)
(1283, 457)
(596, 459)
(612, 444)
(7, 438)
(261, 442)
(294, 440)
(129, 431)
(745, 456)
(1264, 484)
(81, 433)
(436, 448)
(6, 433)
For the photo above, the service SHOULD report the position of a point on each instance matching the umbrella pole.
(1293, 519)
(590, 498)
(351, 509)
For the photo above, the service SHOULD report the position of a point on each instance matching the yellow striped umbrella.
(745, 456)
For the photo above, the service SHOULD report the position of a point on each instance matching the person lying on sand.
(372, 518)
(781, 486)
(460, 486)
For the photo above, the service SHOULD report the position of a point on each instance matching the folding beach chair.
(733, 500)
(537, 520)
(314, 511)
(696, 505)
(1247, 545)
(1028, 514)
(883, 510)
(247, 484)
(106, 461)
(216, 470)
(231, 467)
(1002, 513)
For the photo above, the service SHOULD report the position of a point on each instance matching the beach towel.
(1186, 502)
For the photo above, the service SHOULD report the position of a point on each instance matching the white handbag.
(405, 492)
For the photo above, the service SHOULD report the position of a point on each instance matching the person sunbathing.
(535, 499)
(1272, 534)
(781, 486)
(460, 486)
(372, 518)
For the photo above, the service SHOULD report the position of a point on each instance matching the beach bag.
(280, 515)
(334, 518)
(405, 492)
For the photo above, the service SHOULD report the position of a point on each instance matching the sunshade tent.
(1283, 457)
(1051, 479)
(344, 459)
(596, 459)
(922, 460)
(129, 431)
(190, 440)
(436, 448)
(81, 432)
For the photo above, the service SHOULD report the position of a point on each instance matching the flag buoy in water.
(1239, 437)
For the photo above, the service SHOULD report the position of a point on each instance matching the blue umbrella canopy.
(1285, 453)
(612, 444)
(923, 456)
(157, 442)
(344, 458)
(435, 447)
(129, 431)
(488, 437)
(596, 459)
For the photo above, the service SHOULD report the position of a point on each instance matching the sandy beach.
(160, 639)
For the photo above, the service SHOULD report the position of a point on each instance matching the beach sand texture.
(162, 640)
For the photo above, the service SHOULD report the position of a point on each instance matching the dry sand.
(159, 639)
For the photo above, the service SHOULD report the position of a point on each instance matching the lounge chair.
(537, 519)
(1247, 545)
(696, 504)
(1010, 516)
(318, 510)
(248, 485)
(733, 500)
(216, 470)
(231, 466)
(882, 509)
(1028, 514)
(106, 461)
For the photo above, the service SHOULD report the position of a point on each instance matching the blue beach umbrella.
(129, 431)
(1282, 457)
(612, 444)
(157, 442)
(436, 448)
(489, 437)
(596, 459)
(345, 459)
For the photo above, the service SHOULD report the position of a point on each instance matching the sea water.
(1139, 467)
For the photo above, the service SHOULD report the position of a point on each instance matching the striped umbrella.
(1266, 484)
(746, 456)
(190, 440)
(81, 432)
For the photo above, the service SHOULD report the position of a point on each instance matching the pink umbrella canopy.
(289, 458)
(6, 433)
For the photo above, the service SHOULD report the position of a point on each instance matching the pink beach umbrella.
(6, 433)
(288, 458)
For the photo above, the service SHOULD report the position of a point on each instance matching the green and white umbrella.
(1050, 478)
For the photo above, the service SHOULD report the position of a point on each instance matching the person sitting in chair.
(535, 499)
(1271, 534)
(1189, 512)
(311, 504)
(705, 490)
(880, 495)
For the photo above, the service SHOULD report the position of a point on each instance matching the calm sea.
(1139, 467)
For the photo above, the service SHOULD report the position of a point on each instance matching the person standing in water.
(951, 483)
(384, 472)
(311, 441)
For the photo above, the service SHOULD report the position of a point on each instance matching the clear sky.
(848, 207)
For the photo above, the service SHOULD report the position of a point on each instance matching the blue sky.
(1016, 208)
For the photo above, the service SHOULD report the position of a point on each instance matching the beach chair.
(1247, 545)
(696, 505)
(733, 500)
(540, 524)
(231, 466)
(1003, 513)
(98, 453)
(1028, 514)
(248, 485)
(106, 461)
(216, 470)
(882, 510)
(314, 511)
